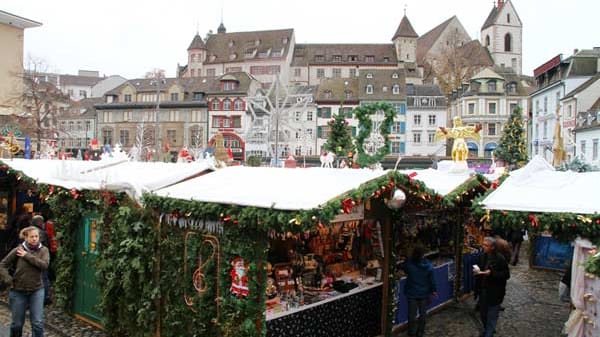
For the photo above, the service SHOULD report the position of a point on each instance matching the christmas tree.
(513, 145)
(340, 137)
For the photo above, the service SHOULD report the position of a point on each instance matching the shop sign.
(203, 225)
(357, 213)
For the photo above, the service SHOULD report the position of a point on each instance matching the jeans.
(489, 319)
(19, 301)
(516, 246)
(414, 328)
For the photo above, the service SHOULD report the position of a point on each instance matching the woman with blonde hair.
(29, 260)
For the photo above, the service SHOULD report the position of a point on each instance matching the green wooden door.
(87, 294)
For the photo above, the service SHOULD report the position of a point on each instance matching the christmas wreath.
(365, 124)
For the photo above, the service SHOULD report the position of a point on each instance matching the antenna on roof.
(405, 5)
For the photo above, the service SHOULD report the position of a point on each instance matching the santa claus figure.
(239, 278)
(184, 156)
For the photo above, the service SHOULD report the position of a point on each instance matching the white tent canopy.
(292, 189)
(134, 178)
(537, 187)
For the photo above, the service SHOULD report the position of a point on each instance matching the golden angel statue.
(458, 132)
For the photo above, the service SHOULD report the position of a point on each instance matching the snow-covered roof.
(266, 187)
(537, 187)
(293, 189)
(134, 178)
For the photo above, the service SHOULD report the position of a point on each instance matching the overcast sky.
(129, 38)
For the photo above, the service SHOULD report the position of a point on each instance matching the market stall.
(563, 205)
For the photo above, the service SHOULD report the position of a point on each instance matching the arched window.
(487, 40)
(507, 42)
(238, 105)
(216, 105)
(226, 104)
(508, 18)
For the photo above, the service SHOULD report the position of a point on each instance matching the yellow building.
(12, 28)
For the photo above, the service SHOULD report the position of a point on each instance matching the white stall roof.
(265, 187)
(441, 182)
(537, 187)
(131, 177)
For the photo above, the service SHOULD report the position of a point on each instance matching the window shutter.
(319, 112)
(402, 148)
(402, 109)
(319, 131)
(354, 131)
(402, 128)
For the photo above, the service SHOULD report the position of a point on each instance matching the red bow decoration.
(347, 205)
(495, 184)
(534, 220)
(411, 176)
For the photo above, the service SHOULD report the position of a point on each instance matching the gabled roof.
(582, 87)
(380, 79)
(233, 47)
(197, 43)
(487, 73)
(405, 29)
(337, 88)
(426, 41)
(305, 54)
(84, 81)
(491, 19)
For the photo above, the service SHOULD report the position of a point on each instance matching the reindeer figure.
(327, 159)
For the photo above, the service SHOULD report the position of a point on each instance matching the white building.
(426, 112)
(502, 35)
(587, 133)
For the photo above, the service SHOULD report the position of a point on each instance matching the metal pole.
(276, 122)
(156, 124)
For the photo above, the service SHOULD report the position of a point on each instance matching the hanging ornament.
(347, 205)
(584, 219)
(397, 200)
(239, 278)
(534, 220)
(296, 221)
(411, 176)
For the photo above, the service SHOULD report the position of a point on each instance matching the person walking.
(30, 259)
(516, 239)
(419, 289)
(492, 273)
(38, 221)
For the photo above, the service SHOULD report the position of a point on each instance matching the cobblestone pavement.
(532, 308)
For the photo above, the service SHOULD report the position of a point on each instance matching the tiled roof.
(305, 54)
(424, 90)
(233, 47)
(582, 87)
(334, 89)
(405, 29)
(491, 19)
(79, 80)
(476, 54)
(594, 113)
(426, 41)
(380, 79)
(197, 43)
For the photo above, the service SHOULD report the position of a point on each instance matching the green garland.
(363, 114)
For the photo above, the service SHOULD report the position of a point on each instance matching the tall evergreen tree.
(513, 144)
(340, 137)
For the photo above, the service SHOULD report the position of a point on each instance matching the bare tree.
(39, 103)
(457, 63)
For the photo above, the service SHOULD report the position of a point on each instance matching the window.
(229, 85)
(71, 126)
(320, 72)
(583, 147)
(211, 72)
(491, 129)
(395, 147)
(107, 136)
(276, 53)
(491, 86)
(298, 72)
(432, 120)
(369, 75)
(352, 58)
(545, 104)
(319, 58)
(487, 40)
(198, 96)
(198, 116)
(324, 112)
(226, 104)
(172, 136)
(513, 106)
(399, 127)
(396, 89)
(127, 116)
(215, 105)
(395, 75)
(298, 115)
(417, 120)
(309, 115)
(82, 93)
(431, 137)
(79, 126)
(471, 108)
(417, 137)
(558, 98)
(71, 93)
(173, 116)
(386, 59)
(124, 137)
(570, 111)
(369, 58)
(545, 136)
(127, 98)
(595, 149)
(233, 69)
(196, 137)
(384, 88)
(353, 72)
(236, 121)
(337, 72)
(492, 108)
(193, 72)
(337, 58)
(508, 18)
(88, 125)
(238, 105)
(507, 42)
(174, 96)
(327, 94)
(369, 89)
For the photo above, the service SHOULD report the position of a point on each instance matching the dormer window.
(276, 53)
(249, 52)
(319, 58)
(284, 40)
(352, 58)
(212, 57)
(491, 85)
(369, 58)
(396, 89)
(369, 89)
(369, 75)
(264, 54)
(327, 94)
(386, 59)
(395, 75)
(384, 88)
(230, 44)
(233, 56)
(229, 85)
(257, 42)
(348, 94)
(337, 58)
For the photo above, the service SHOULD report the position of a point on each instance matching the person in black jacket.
(492, 273)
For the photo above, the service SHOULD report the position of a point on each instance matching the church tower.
(405, 42)
(502, 35)
(196, 56)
